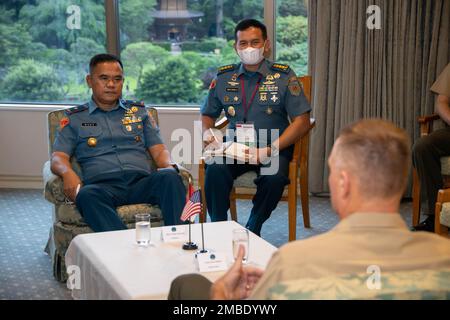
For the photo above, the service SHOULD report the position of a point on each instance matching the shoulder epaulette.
(134, 103)
(76, 109)
(280, 67)
(227, 68)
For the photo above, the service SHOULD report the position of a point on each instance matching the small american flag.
(192, 207)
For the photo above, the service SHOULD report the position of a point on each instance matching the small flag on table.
(192, 207)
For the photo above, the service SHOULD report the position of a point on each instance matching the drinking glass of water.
(240, 237)
(143, 229)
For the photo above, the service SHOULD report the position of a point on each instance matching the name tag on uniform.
(174, 234)
(89, 124)
(212, 261)
(246, 134)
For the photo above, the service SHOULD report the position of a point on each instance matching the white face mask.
(251, 56)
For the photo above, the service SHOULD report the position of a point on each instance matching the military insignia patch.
(281, 67)
(63, 122)
(231, 111)
(213, 84)
(274, 98)
(134, 109)
(294, 86)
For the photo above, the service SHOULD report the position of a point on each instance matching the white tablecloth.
(112, 266)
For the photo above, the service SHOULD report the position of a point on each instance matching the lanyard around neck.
(244, 97)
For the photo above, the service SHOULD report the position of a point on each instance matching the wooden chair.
(426, 127)
(297, 166)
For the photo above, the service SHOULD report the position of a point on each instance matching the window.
(172, 54)
(171, 49)
(46, 47)
(292, 34)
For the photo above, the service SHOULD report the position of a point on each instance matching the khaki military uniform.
(357, 242)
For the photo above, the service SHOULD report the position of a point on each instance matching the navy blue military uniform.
(272, 96)
(112, 150)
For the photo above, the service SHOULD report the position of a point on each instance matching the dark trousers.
(269, 190)
(427, 152)
(190, 287)
(98, 199)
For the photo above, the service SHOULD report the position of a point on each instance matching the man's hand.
(71, 182)
(238, 282)
(258, 155)
(60, 165)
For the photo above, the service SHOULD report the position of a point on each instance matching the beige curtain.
(360, 73)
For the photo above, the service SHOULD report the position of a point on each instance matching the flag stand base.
(200, 252)
(190, 246)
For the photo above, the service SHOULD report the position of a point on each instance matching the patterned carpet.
(25, 219)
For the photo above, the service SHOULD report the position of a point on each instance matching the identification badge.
(246, 134)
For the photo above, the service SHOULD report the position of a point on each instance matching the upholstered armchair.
(442, 210)
(67, 221)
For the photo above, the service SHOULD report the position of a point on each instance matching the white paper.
(246, 134)
(174, 233)
(212, 261)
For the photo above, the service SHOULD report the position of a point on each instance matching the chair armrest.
(185, 175)
(427, 119)
(426, 124)
(53, 185)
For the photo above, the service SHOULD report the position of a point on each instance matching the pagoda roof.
(176, 14)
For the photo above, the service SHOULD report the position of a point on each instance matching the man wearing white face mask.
(262, 97)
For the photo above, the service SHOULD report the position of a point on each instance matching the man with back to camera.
(369, 166)
(428, 150)
(113, 139)
(259, 95)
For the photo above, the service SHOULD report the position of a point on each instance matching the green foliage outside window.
(44, 60)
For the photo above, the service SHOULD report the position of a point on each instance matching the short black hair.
(103, 57)
(248, 23)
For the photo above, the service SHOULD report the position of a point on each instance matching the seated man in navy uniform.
(266, 95)
(113, 139)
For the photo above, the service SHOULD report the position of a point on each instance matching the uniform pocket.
(87, 132)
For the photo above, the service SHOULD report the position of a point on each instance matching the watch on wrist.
(175, 166)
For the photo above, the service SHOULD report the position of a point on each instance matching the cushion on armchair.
(411, 285)
(445, 214)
